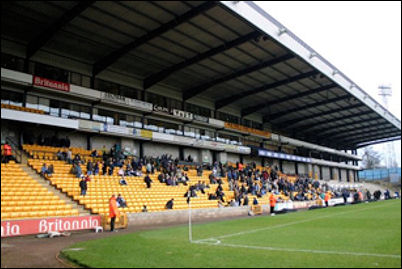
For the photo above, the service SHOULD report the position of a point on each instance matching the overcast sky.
(362, 39)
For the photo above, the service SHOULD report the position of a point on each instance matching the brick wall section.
(181, 216)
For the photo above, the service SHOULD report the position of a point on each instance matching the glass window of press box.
(198, 110)
(227, 117)
(105, 116)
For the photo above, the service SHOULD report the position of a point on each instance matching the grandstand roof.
(231, 53)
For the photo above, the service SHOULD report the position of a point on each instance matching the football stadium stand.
(22, 197)
(206, 84)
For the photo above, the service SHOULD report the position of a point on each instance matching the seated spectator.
(212, 179)
(123, 181)
(120, 201)
(50, 170)
(199, 171)
(200, 187)
(78, 159)
(144, 209)
(94, 153)
(233, 203)
(43, 170)
(60, 156)
(121, 172)
(255, 201)
(161, 178)
(7, 153)
(377, 195)
(169, 204)
(96, 168)
(130, 171)
(245, 201)
(148, 181)
(183, 179)
(169, 181)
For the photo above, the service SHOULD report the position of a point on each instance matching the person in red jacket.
(113, 212)
(7, 153)
(272, 203)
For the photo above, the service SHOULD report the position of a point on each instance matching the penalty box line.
(216, 240)
(218, 243)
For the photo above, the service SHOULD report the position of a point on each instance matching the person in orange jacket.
(272, 203)
(113, 212)
(327, 197)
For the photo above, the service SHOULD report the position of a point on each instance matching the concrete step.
(46, 183)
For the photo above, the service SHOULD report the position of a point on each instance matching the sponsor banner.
(244, 150)
(183, 140)
(284, 205)
(305, 204)
(230, 148)
(12, 75)
(338, 201)
(116, 129)
(90, 125)
(247, 129)
(52, 84)
(84, 92)
(118, 99)
(38, 226)
(182, 114)
(146, 134)
(209, 145)
(136, 132)
(162, 137)
(237, 149)
(200, 118)
(161, 109)
(11, 114)
(216, 123)
(283, 156)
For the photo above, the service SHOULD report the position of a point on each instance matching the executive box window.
(165, 125)
(252, 124)
(227, 117)
(12, 62)
(11, 98)
(156, 99)
(130, 92)
(104, 116)
(130, 121)
(106, 86)
(198, 110)
(74, 111)
(50, 72)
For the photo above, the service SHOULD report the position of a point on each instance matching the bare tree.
(371, 158)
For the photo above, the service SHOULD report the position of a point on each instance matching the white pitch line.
(302, 250)
(285, 225)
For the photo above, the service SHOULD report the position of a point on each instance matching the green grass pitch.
(363, 235)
